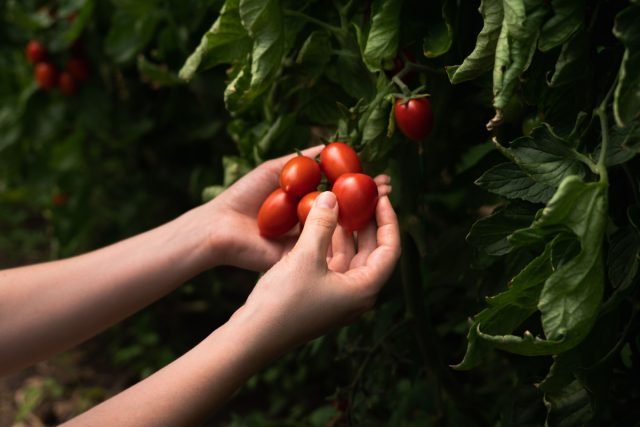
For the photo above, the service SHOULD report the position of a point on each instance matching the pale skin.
(316, 281)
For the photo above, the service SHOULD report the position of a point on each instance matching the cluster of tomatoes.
(356, 193)
(48, 76)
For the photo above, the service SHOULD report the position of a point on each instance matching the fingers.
(342, 250)
(318, 228)
(367, 243)
(384, 185)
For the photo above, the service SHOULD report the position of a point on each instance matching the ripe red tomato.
(414, 118)
(78, 68)
(35, 52)
(46, 75)
(338, 158)
(278, 214)
(300, 175)
(59, 199)
(67, 83)
(304, 206)
(357, 196)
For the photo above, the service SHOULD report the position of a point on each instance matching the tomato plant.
(300, 175)
(278, 214)
(305, 204)
(78, 68)
(414, 117)
(357, 196)
(338, 158)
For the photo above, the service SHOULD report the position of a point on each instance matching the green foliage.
(549, 208)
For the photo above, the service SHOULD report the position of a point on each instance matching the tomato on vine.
(35, 52)
(46, 75)
(357, 196)
(338, 158)
(278, 214)
(300, 175)
(414, 117)
(67, 83)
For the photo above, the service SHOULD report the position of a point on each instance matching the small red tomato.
(59, 199)
(46, 75)
(67, 83)
(304, 206)
(278, 214)
(414, 118)
(338, 158)
(78, 68)
(357, 196)
(35, 52)
(300, 176)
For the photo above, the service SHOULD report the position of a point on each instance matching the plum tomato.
(35, 52)
(338, 158)
(78, 68)
(414, 118)
(46, 75)
(357, 196)
(300, 176)
(304, 206)
(278, 214)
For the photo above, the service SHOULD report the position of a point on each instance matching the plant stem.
(322, 24)
(587, 161)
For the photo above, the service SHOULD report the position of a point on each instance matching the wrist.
(197, 228)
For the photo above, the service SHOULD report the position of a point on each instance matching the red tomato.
(399, 63)
(67, 83)
(338, 158)
(414, 118)
(35, 52)
(59, 199)
(46, 75)
(78, 68)
(278, 214)
(304, 206)
(357, 196)
(300, 176)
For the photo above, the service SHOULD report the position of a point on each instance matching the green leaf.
(508, 309)
(572, 62)
(263, 20)
(384, 34)
(157, 75)
(132, 28)
(314, 54)
(569, 407)
(225, 42)
(490, 234)
(439, 35)
(510, 181)
(626, 98)
(571, 295)
(516, 46)
(624, 144)
(567, 19)
(481, 59)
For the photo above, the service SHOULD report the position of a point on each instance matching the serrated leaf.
(572, 61)
(384, 34)
(569, 407)
(516, 46)
(567, 19)
(482, 58)
(626, 98)
(510, 181)
(225, 42)
(624, 144)
(489, 234)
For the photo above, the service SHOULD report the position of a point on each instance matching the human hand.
(326, 280)
(234, 233)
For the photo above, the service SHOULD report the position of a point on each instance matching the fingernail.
(326, 200)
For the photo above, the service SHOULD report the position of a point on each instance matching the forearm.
(49, 307)
(202, 380)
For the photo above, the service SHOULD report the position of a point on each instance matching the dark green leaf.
(510, 181)
(568, 17)
(481, 59)
(572, 61)
(384, 34)
(439, 32)
(569, 407)
(624, 144)
(132, 27)
(624, 256)
(157, 75)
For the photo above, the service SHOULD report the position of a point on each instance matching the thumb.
(318, 228)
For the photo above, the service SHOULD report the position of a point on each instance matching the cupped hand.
(327, 279)
(234, 230)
